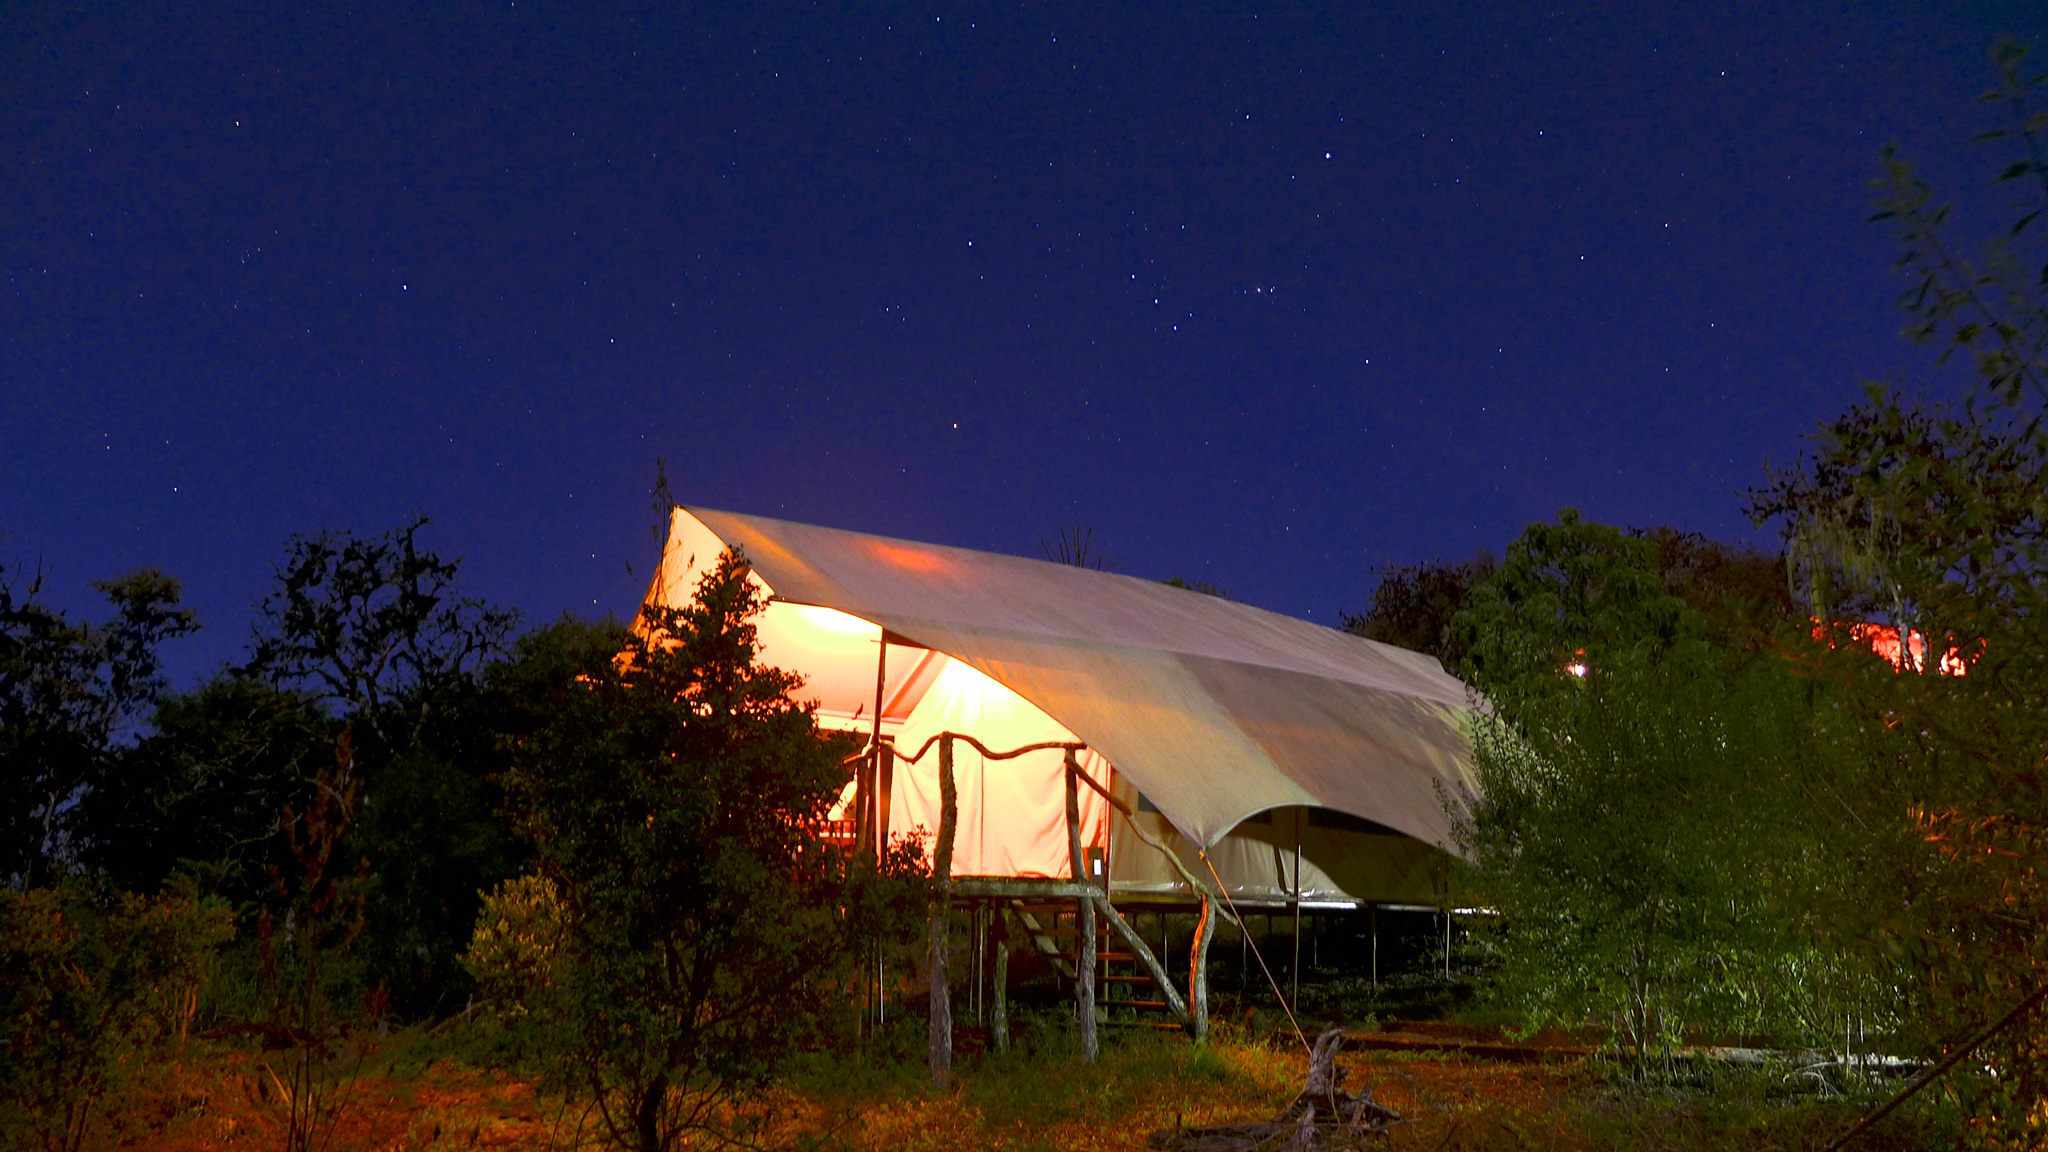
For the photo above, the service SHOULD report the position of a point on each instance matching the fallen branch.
(1322, 1116)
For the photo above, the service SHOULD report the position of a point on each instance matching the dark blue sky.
(1264, 299)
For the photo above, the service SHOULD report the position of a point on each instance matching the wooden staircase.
(1124, 987)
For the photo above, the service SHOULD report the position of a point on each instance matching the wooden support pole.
(1294, 970)
(999, 1024)
(1198, 970)
(866, 837)
(1373, 921)
(1193, 882)
(939, 1028)
(1084, 964)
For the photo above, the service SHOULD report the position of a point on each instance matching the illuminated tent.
(1222, 726)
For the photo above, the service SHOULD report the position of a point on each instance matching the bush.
(91, 987)
(673, 795)
(513, 955)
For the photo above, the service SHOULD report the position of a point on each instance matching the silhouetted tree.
(1074, 546)
(67, 692)
(1413, 604)
(376, 629)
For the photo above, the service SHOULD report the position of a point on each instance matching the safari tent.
(1177, 748)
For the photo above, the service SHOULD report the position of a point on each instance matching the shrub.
(514, 954)
(89, 986)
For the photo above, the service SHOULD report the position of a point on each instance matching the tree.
(67, 692)
(1413, 605)
(1736, 590)
(1639, 823)
(201, 793)
(1740, 592)
(1075, 547)
(1932, 518)
(673, 791)
(376, 630)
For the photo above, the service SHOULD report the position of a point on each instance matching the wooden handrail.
(1194, 882)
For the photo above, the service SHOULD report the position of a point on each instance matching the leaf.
(2015, 170)
(2024, 221)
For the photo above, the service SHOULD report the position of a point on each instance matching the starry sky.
(1266, 298)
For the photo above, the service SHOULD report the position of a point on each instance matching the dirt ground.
(223, 1098)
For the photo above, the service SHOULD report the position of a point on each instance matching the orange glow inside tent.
(1883, 639)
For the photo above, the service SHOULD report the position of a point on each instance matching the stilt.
(999, 1027)
(1198, 969)
(864, 839)
(1373, 919)
(939, 1029)
(1447, 941)
(1244, 939)
(1294, 969)
(1084, 964)
(977, 947)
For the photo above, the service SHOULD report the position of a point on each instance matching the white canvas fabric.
(1215, 710)
(1012, 813)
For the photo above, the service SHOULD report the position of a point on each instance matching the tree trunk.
(1198, 970)
(647, 1116)
(939, 1025)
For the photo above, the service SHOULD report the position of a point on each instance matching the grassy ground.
(415, 1092)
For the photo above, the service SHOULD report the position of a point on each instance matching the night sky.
(1264, 299)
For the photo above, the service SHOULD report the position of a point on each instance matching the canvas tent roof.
(1216, 710)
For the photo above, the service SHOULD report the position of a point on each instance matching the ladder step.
(1138, 1004)
(1126, 978)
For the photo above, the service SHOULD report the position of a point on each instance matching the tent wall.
(1343, 860)
(1013, 813)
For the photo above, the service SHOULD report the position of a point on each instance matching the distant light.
(1576, 668)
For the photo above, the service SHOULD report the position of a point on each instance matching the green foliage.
(514, 954)
(1642, 828)
(672, 790)
(91, 987)
(66, 691)
(1933, 520)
